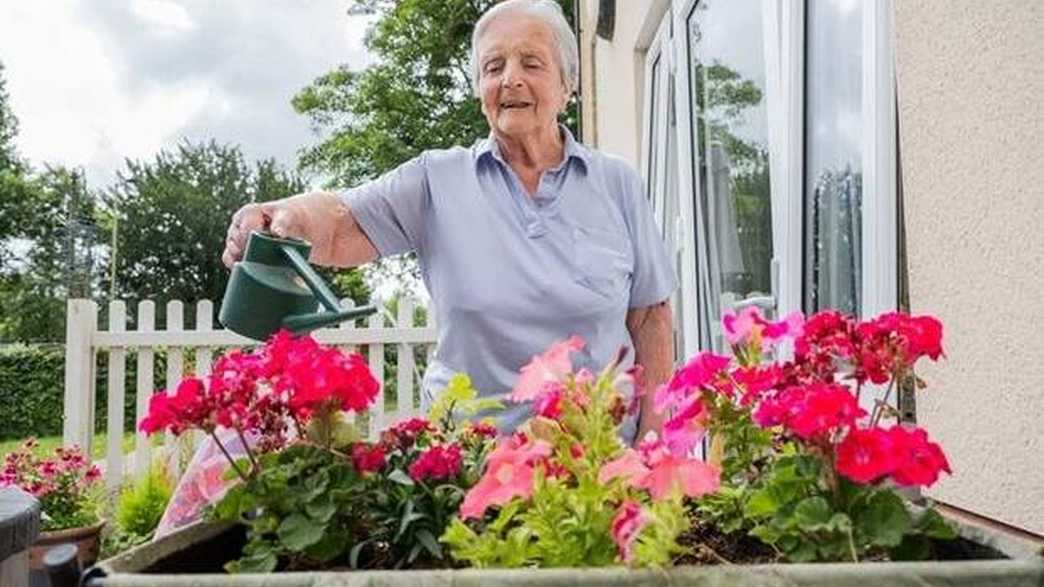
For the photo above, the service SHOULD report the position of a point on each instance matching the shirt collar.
(488, 147)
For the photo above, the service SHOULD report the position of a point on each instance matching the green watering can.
(274, 287)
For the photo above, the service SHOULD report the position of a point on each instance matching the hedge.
(32, 389)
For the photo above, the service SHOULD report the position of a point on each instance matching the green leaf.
(762, 504)
(884, 520)
(297, 532)
(353, 555)
(321, 512)
(813, 514)
(425, 538)
(933, 525)
(330, 546)
(399, 477)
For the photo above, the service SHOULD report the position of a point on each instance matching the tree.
(14, 190)
(415, 96)
(170, 217)
(54, 255)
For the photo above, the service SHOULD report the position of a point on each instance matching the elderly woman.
(523, 239)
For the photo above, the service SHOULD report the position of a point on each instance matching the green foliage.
(458, 401)
(809, 516)
(415, 96)
(33, 390)
(141, 504)
(303, 506)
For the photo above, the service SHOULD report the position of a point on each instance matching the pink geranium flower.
(509, 474)
(628, 523)
(552, 365)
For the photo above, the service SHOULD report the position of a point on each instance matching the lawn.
(47, 444)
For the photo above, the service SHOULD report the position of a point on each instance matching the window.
(729, 127)
(833, 155)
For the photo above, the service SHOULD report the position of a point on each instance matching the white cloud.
(93, 83)
(167, 18)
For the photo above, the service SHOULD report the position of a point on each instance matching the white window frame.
(784, 23)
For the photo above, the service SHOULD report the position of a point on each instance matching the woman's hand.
(320, 218)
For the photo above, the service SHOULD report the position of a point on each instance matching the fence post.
(405, 368)
(145, 387)
(78, 410)
(376, 358)
(116, 397)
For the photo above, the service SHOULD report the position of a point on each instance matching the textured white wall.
(971, 115)
(614, 74)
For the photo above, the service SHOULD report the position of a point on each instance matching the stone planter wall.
(169, 562)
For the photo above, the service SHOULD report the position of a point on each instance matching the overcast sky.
(93, 82)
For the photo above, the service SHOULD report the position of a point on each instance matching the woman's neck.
(534, 152)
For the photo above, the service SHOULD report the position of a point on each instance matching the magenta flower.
(700, 371)
(683, 431)
(749, 326)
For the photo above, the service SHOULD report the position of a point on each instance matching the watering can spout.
(274, 287)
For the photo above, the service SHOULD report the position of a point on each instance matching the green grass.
(47, 444)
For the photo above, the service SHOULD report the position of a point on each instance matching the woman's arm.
(651, 331)
(321, 218)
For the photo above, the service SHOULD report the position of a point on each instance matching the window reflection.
(833, 160)
(727, 48)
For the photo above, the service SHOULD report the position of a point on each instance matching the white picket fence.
(86, 342)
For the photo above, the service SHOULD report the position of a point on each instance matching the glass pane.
(833, 155)
(726, 43)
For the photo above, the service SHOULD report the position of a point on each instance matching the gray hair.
(551, 13)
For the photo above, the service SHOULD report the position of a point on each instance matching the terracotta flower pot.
(87, 539)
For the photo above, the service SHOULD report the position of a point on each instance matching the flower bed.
(797, 470)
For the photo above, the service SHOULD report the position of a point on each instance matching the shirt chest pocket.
(603, 260)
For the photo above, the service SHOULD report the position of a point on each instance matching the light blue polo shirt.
(509, 273)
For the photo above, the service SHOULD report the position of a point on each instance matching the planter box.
(194, 555)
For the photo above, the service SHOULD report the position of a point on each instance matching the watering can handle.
(317, 285)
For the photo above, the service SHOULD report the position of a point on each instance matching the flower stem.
(228, 456)
(879, 407)
(851, 547)
(250, 454)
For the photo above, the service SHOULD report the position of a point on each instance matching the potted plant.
(67, 486)
(797, 471)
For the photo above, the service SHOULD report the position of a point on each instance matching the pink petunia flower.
(509, 474)
(552, 365)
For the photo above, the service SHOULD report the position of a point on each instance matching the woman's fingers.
(248, 218)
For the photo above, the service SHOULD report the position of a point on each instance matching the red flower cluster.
(878, 349)
(403, 435)
(63, 483)
(441, 461)
(812, 411)
(287, 379)
(866, 456)
(368, 458)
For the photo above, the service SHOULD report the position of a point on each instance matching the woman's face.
(520, 81)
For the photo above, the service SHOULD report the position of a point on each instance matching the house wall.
(971, 115)
(616, 68)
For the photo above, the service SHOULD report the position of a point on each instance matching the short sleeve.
(653, 279)
(393, 208)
